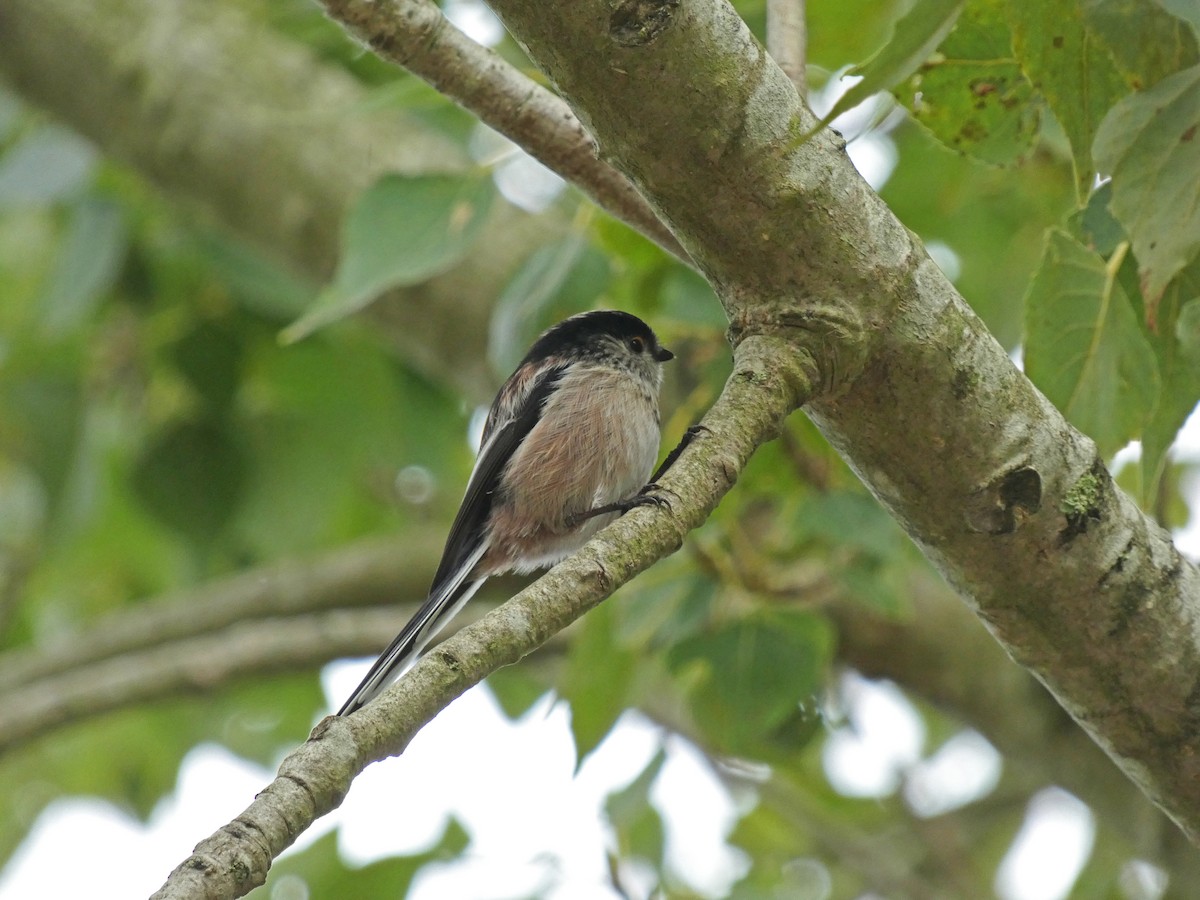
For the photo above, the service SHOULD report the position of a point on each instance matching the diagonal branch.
(191, 665)
(787, 40)
(1011, 504)
(415, 35)
(765, 386)
(367, 573)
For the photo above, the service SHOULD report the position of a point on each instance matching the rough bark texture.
(1008, 501)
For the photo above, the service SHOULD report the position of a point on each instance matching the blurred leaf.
(637, 823)
(88, 262)
(972, 95)
(688, 298)
(258, 284)
(23, 507)
(848, 29)
(1184, 9)
(1150, 144)
(1146, 42)
(849, 518)
(915, 38)
(401, 231)
(132, 757)
(1084, 348)
(10, 112)
(1177, 347)
(1071, 69)
(753, 674)
(210, 356)
(321, 873)
(49, 164)
(597, 679)
(1187, 330)
(42, 418)
(516, 689)
(568, 274)
(1094, 225)
(669, 603)
(327, 424)
(191, 478)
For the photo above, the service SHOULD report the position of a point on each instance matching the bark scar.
(636, 23)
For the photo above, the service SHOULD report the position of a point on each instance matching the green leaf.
(46, 165)
(209, 357)
(87, 264)
(1072, 70)
(1177, 347)
(10, 113)
(191, 478)
(915, 38)
(568, 275)
(1146, 42)
(597, 680)
(319, 871)
(1150, 144)
(751, 676)
(1188, 10)
(1084, 347)
(1094, 225)
(972, 95)
(849, 518)
(635, 820)
(256, 282)
(673, 601)
(516, 689)
(400, 232)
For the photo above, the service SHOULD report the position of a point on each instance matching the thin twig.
(767, 384)
(415, 35)
(787, 39)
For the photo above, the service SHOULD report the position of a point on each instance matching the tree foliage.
(181, 402)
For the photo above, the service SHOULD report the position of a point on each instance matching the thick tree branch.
(1010, 503)
(764, 387)
(414, 34)
(942, 654)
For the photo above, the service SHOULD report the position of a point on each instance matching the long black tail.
(435, 612)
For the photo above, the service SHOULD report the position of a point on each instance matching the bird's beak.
(662, 354)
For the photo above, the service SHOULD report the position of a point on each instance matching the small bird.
(569, 444)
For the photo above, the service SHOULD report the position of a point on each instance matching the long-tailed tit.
(569, 444)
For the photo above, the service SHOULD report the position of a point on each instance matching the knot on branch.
(1006, 502)
(828, 343)
(635, 23)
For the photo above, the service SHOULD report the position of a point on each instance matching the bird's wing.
(509, 422)
(512, 417)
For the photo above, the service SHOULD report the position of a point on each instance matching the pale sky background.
(535, 827)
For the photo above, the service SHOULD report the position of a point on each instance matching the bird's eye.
(637, 344)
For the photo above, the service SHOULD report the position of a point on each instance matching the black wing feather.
(451, 585)
(472, 517)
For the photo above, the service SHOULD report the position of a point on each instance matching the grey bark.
(1010, 503)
